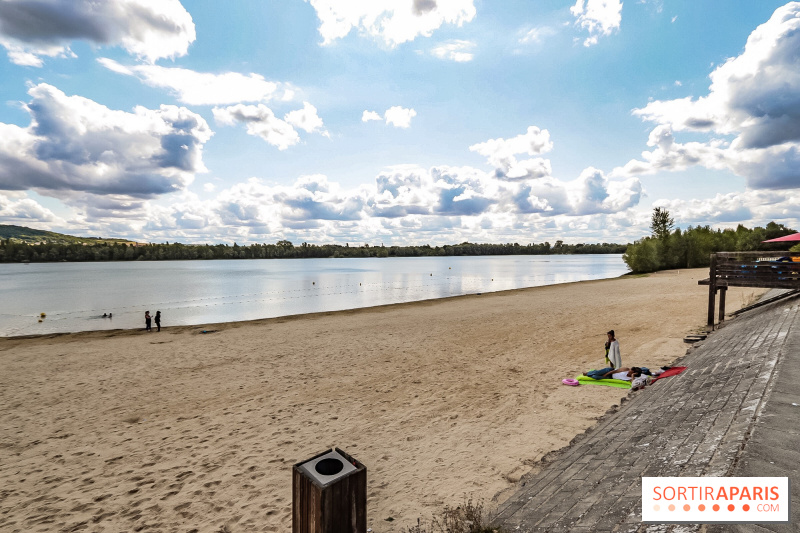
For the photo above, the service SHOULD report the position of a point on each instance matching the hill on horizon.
(31, 236)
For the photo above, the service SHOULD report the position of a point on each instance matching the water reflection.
(75, 295)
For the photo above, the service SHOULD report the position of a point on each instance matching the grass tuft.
(466, 518)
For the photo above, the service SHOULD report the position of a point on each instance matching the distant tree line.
(669, 247)
(11, 251)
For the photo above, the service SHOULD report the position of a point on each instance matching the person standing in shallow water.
(158, 320)
(613, 357)
(147, 319)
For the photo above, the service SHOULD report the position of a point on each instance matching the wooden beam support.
(747, 269)
(712, 291)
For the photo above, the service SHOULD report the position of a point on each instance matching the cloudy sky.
(397, 121)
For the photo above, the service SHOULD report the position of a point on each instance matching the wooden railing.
(770, 270)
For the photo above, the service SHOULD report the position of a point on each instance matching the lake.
(74, 296)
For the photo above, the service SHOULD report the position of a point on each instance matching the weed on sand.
(466, 518)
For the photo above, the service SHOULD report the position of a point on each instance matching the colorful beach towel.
(618, 383)
(674, 371)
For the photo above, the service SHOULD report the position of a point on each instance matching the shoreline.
(203, 429)
(197, 294)
(300, 316)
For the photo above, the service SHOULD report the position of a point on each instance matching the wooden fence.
(770, 270)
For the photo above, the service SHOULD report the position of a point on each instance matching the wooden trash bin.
(329, 494)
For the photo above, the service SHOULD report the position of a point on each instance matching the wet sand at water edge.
(442, 400)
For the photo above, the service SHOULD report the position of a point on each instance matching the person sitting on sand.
(613, 358)
(625, 374)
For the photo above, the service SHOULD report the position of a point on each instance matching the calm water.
(75, 295)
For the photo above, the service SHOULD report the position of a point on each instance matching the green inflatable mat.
(618, 383)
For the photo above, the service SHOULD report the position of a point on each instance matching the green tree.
(643, 255)
(661, 223)
(774, 230)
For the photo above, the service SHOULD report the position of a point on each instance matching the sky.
(397, 121)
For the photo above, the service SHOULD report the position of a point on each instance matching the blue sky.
(397, 121)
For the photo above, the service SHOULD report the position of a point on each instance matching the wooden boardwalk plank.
(689, 425)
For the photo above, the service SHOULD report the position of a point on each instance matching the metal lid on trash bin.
(327, 468)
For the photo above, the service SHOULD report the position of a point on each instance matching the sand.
(442, 400)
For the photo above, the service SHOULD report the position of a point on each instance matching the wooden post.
(722, 291)
(712, 291)
(334, 500)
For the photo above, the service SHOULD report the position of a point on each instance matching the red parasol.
(786, 238)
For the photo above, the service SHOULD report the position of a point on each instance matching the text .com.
(721, 499)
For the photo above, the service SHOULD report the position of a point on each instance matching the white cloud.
(598, 17)
(537, 35)
(74, 144)
(754, 97)
(756, 94)
(149, 29)
(26, 59)
(533, 142)
(536, 167)
(19, 55)
(454, 50)
(15, 210)
(261, 122)
(393, 21)
(288, 94)
(501, 153)
(200, 88)
(366, 116)
(464, 191)
(404, 204)
(313, 198)
(441, 191)
(593, 193)
(306, 119)
(399, 117)
(311, 205)
(668, 155)
(680, 114)
(751, 208)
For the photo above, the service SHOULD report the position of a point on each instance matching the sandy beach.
(442, 400)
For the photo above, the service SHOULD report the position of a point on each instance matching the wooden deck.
(769, 270)
(732, 413)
